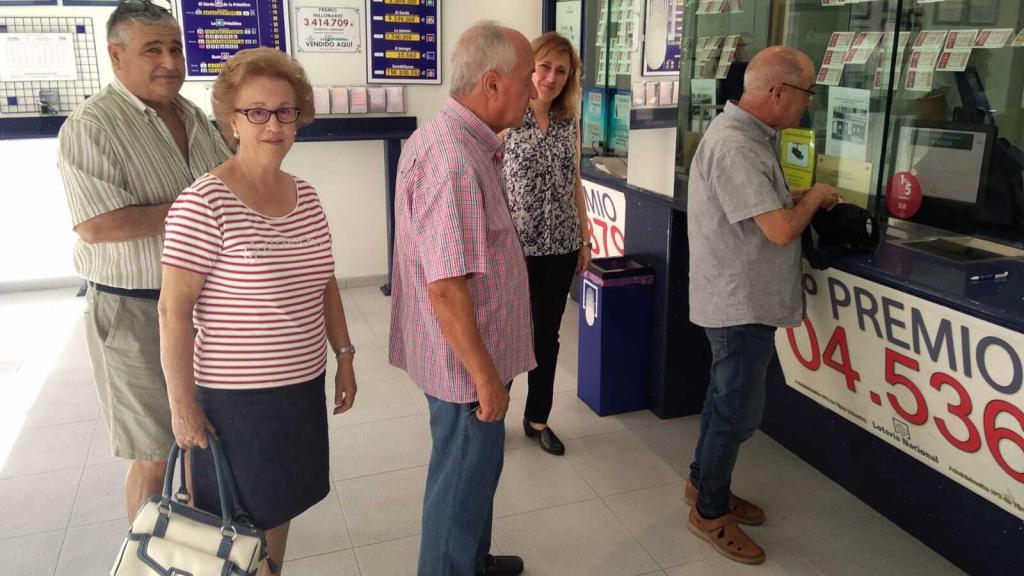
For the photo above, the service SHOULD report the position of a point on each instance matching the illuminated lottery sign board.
(216, 29)
(404, 40)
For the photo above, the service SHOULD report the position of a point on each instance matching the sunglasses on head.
(142, 5)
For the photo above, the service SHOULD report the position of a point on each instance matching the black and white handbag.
(170, 538)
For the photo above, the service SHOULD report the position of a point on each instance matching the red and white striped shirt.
(260, 315)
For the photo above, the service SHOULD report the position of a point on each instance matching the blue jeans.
(465, 465)
(732, 409)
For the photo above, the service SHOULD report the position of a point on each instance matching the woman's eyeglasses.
(285, 115)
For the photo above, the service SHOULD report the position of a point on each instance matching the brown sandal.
(726, 537)
(743, 511)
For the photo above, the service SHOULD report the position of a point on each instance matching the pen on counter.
(996, 276)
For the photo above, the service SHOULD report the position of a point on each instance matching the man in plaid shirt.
(460, 309)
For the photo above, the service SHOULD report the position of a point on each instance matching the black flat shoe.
(530, 432)
(501, 566)
(549, 441)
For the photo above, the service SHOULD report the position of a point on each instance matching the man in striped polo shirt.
(125, 155)
(460, 311)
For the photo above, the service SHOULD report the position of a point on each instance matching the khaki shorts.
(123, 335)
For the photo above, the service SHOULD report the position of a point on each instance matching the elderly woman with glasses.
(250, 309)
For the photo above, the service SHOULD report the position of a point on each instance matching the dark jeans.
(732, 409)
(465, 465)
(550, 279)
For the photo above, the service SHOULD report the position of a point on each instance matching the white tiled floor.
(611, 506)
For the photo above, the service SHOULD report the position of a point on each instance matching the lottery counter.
(903, 385)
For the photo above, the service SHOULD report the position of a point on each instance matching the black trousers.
(550, 279)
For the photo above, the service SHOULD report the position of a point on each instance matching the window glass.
(957, 129)
(839, 140)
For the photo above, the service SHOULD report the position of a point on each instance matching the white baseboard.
(362, 281)
(40, 284)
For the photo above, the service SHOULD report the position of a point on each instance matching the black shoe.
(549, 442)
(501, 566)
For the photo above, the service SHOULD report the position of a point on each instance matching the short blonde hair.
(266, 62)
(566, 105)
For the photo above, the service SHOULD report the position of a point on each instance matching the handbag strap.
(238, 513)
(177, 457)
(172, 461)
(230, 507)
(182, 494)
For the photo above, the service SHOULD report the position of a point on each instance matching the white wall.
(652, 152)
(348, 175)
(36, 239)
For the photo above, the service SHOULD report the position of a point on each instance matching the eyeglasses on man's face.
(286, 115)
(810, 93)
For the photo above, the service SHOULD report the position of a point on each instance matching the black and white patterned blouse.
(540, 178)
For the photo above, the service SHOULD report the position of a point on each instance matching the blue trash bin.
(615, 310)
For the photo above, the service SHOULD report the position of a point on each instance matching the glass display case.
(957, 129)
(917, 112)
(632, 52)
(839, 140)
(917, 109)
(607, 52)
(917, 116)
(724, 37)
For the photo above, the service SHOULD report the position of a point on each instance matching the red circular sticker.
(903, 196)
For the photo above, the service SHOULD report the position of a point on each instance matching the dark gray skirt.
(276, 442)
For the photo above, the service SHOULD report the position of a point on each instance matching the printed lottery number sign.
(606, 211)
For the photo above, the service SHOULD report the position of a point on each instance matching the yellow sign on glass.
(796, 155)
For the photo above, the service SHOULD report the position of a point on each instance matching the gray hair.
(772, 66)
(485, 46)
(141, 11)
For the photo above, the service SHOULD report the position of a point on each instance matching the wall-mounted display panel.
(47, 65)
(664, 27)
(404, 41)
(28, 3)
(215, 29)
(38, 56)
(330, 29)
(95, 2)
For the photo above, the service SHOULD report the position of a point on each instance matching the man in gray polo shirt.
(744, 231)
(125, 155)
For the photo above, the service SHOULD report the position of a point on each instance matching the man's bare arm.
(785, 225)
(124, 224)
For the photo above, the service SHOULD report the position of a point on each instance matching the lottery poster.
(216, 29)
(404, 39)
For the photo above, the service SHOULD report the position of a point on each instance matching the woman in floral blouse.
(545, 195)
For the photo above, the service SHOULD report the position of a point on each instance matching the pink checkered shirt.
(452, 219)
